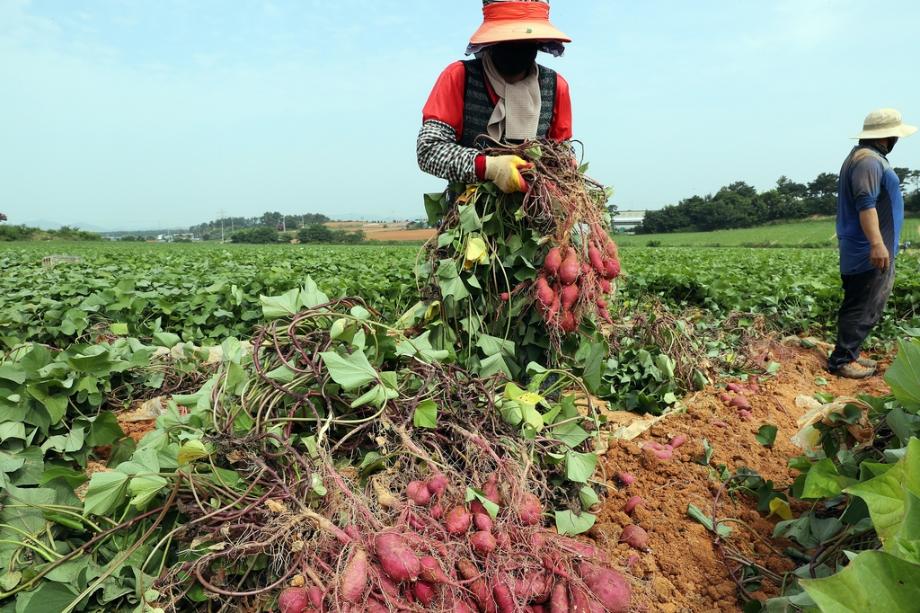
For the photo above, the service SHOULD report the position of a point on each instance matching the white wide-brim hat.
(885, 123)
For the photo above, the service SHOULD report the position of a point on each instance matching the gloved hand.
(505, 172)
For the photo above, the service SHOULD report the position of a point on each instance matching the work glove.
(505, 172)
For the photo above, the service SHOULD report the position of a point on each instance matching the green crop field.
(91, 514)
(210, 291)
(809, 233)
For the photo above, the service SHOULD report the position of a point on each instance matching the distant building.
(171, 238)
(627, 221)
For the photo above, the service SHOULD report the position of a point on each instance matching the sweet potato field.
(304, 429)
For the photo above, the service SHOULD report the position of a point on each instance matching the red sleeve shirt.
(561, 127)
(445, 103)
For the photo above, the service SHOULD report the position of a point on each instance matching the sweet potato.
(416, 523)
(530, 510)
(293, 600)
(741, 403)
(626, 478)
(483, 595)
(375, 606)
(397, 560)
(569, 270)
(604, 314)
(632, 503)
(533, 587)
(579, 548)
(579, 600)
(552, 261)
(545, 294)
(569, 297)
(502, 541)
(437, 511)
(504, 601)
(482, 522)
(387, 586)
(316, 596)
(354, 578)
(609, 587)
(611, 269)
(662, 452)
(735, 387)
(552, 564)
(678, 441)
(461, 606)
(467, 569)
(610, 249)
(483, 543)
(559, 599)
(569, 323)
(432, 572)
(745, 415)
(635, 537)
(490, 489)
(458, 520)
(597, 262)
(605, 286)
(423, 592)
(418, 493)
(554, 309)
(437, 484)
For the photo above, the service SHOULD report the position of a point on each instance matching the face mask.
(514, 58)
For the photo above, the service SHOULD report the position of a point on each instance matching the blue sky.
(141, 113)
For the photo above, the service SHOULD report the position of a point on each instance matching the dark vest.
(478, 107)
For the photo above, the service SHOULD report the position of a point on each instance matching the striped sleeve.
(440, 155)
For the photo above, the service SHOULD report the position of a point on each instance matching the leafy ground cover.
(201, 292)
(96, 519)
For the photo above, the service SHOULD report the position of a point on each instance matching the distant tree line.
(311, 234)
(272, 219)
(741, 206)
(64, 233)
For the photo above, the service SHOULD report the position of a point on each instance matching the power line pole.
(221, 214)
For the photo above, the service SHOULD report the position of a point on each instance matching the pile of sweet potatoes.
(489, 555)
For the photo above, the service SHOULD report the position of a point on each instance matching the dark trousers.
(864, 298)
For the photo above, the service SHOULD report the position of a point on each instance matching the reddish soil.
(684, 571)
(137, 429)
(401, 235)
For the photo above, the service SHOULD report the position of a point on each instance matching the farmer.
(501, 95)
(870, 213)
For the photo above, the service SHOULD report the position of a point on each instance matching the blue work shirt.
(867, 181)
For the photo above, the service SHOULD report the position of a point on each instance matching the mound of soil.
(684, 570)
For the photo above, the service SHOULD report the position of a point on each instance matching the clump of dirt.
(92, 467)
(136, 430)
(684, 569)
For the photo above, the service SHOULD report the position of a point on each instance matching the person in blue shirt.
(870, 214)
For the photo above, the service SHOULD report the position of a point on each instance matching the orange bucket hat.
(509, 20)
